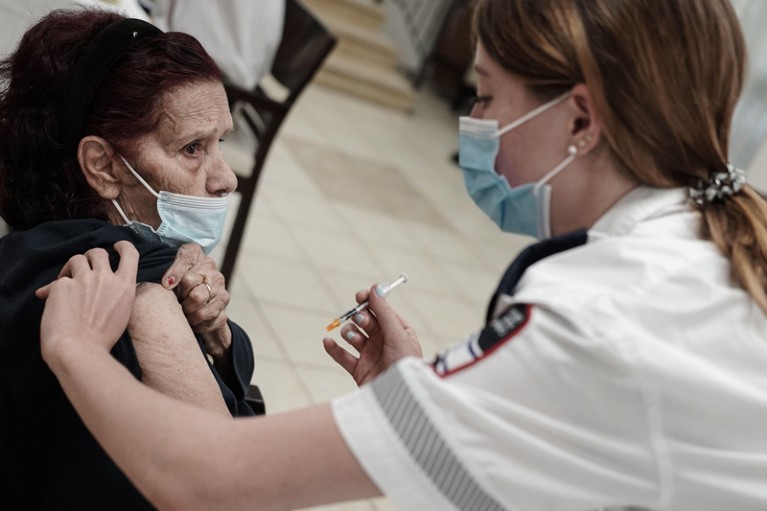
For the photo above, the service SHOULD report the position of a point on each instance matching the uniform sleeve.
(533, 412)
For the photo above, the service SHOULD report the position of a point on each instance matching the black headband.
(94, 64)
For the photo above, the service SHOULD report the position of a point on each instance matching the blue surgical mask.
(523, 209)
(184, 218)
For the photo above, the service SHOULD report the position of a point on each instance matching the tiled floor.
(354, 194)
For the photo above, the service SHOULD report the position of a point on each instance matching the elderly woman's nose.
(221, 178)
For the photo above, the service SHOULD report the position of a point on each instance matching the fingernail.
(350, 335)
(380, 291)
(359, 318)
(170, 281)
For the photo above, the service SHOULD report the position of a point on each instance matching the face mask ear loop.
(572, 154)
(120, 210)
(529, 115)
(141, 179)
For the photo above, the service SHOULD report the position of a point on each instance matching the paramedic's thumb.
(386, 316)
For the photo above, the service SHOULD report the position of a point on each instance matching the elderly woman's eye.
(192, 149)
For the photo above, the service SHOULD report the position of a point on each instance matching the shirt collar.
(640, 204)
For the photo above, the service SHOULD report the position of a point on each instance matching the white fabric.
(639, 379)
(241, 35)
(16, 16)
(129, 8)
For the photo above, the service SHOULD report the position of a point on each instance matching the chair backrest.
(304, 45)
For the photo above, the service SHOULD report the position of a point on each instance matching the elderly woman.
(110, 131)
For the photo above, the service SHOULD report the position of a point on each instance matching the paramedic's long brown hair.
(664, 77)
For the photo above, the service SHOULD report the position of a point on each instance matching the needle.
(364, 305)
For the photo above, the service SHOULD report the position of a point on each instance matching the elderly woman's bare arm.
(171, 360)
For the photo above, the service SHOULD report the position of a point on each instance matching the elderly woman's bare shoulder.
(169, 355)
(154, 293)
(156, 310)
(155, 306)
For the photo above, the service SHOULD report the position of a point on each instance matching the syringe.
(364, 305)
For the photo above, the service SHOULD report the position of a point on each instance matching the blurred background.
(355, 175)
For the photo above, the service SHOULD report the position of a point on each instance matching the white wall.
(748, 143)
(757, 169)
(426, 17)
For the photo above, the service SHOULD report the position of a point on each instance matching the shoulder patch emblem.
(482, 343)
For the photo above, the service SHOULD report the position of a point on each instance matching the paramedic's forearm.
(182, 457)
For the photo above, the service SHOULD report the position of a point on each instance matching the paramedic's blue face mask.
(184, 218)
(524, 209)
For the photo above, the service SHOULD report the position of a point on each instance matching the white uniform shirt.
(241, 35)
(630, 371)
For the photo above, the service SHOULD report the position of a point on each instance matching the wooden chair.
(304, 45)
(255, 400)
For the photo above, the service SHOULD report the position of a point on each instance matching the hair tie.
(93, 65)
(719, 186)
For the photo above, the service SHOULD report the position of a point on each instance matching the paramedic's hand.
(201, 290)
(88, 304)
(380, 336)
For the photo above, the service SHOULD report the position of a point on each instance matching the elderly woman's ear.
(96, 158)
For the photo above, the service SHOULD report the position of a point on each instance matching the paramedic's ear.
(585, 128)
(96, 158)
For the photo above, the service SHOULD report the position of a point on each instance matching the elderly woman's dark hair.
(40, 178)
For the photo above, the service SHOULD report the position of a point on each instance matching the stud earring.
(584, 141)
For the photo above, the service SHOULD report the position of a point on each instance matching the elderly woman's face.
(182, 154)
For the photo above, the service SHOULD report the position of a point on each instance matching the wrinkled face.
(532, 149)
(182, 154)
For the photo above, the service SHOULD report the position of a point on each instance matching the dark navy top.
(48, 459)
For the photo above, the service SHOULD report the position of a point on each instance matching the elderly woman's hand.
(201, 290)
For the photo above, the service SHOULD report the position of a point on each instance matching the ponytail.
(738, 226)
